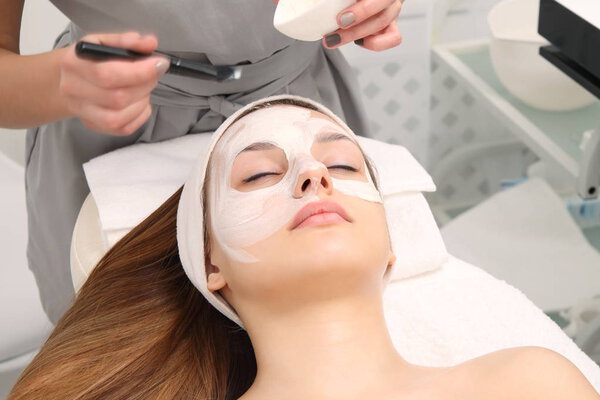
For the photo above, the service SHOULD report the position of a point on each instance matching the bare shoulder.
(532, 372)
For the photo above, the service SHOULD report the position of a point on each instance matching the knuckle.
(129, 35)
(65, 88)
(119, 132)
(367, 8)
(382, 20)
(102, 76)
(147, 112)
(119, 98)
(90, 38)
(124, 40)
(393, 11)
(132, 127)
(127, 130)
(68, 61)
(111, 121)
(89, 124)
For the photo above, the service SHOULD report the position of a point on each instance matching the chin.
(334, 239)
(317, 263)
(335, 248)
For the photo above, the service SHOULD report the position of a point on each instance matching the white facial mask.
(241, 219)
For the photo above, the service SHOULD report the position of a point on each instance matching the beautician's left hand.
(368, 23)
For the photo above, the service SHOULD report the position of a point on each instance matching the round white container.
(308, 20)
(514, 49)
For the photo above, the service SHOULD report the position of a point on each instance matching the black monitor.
(570, 27)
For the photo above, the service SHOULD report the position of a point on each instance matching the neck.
(340, 349)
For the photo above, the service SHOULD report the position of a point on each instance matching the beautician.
(77, 109)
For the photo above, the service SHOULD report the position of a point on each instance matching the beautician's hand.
(369, 23)
(112, 97)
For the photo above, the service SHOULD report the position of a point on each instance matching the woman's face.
(293, 212)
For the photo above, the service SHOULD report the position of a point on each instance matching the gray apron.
(213, 31)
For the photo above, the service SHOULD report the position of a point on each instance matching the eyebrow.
(259, 146)
(331, 137)
(321, 138)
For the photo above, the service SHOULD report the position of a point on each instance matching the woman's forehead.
(286, 125)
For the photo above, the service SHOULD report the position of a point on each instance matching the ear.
(214, 278)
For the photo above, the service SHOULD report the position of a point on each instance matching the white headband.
(190, 213)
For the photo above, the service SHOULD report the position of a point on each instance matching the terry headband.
(240, 219)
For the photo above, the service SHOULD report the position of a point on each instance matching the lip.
(325, 209)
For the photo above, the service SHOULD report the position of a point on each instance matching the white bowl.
(308, 20)
(514, 49)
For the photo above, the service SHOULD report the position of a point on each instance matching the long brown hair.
(138, 329)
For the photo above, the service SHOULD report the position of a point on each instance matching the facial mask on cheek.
(241, 219)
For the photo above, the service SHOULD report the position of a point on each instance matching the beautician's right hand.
(113, 96)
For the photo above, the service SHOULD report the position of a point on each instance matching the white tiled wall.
(458, 121)
(395, 83)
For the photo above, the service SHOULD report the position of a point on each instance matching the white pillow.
(128, 184)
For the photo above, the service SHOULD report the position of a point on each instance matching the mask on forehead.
(241, 219)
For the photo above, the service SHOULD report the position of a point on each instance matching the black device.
(575, 39)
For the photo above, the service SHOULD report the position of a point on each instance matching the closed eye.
(258, 176)
(344, 167)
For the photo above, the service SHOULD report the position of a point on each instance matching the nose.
(312, 181)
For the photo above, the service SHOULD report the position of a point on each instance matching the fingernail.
(359, 42)
(162, 66)
(346, 19)
(332, 40)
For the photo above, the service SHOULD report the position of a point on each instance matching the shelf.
(553, 136)
(591, 234)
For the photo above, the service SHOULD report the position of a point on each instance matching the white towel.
(460, 312)
(526, 236)
(128, 184)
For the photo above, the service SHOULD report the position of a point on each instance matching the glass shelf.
(553, 136)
